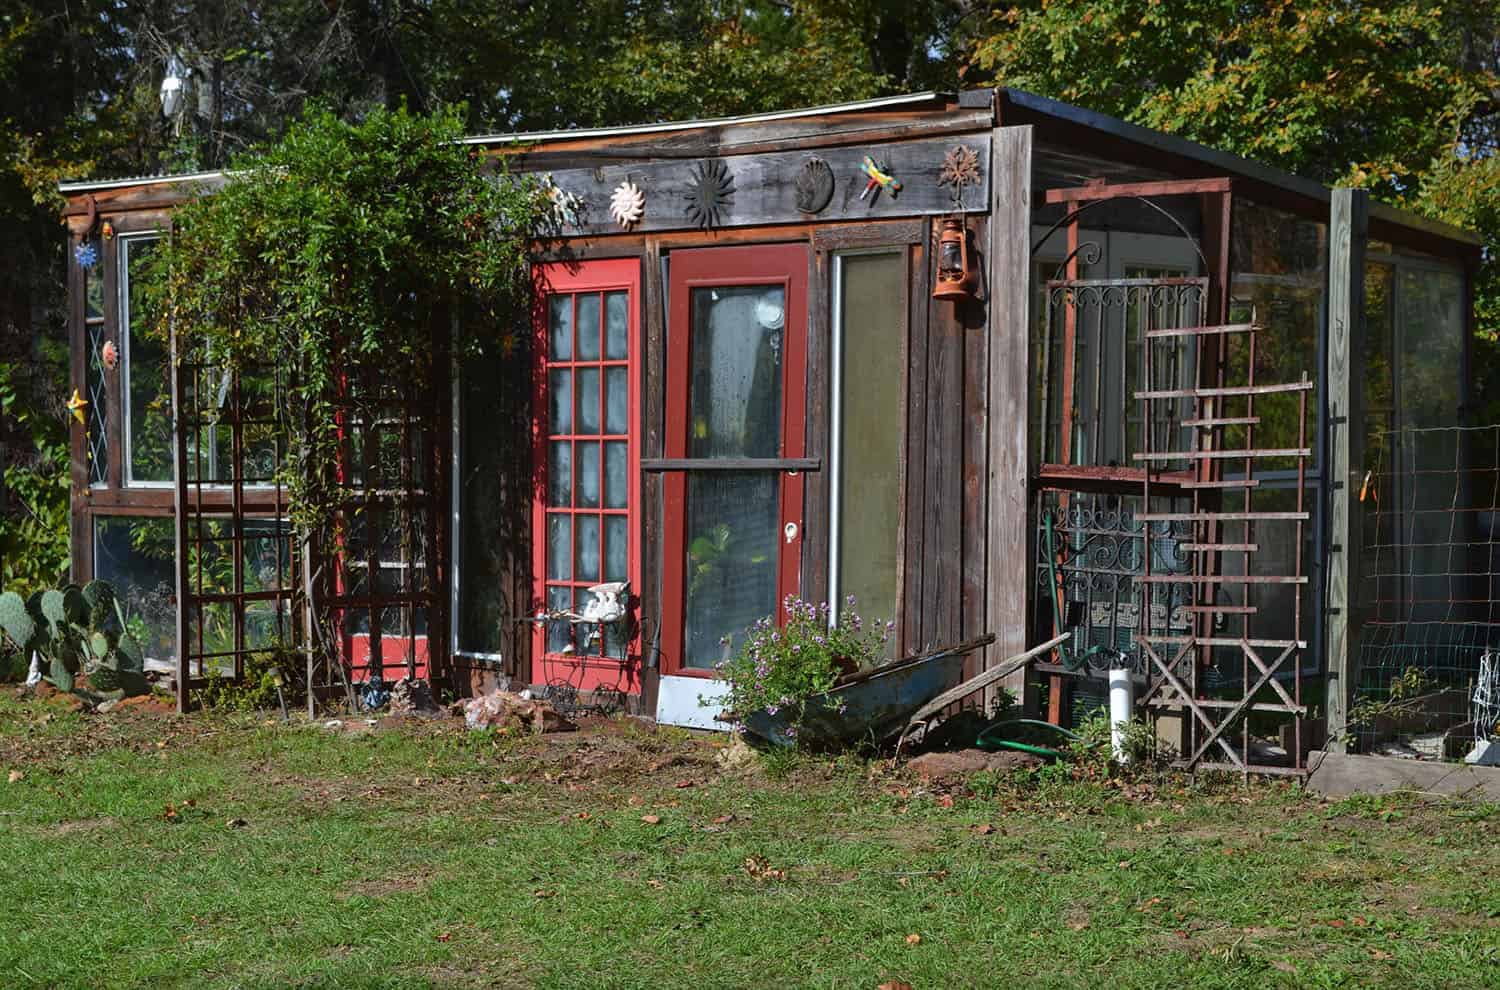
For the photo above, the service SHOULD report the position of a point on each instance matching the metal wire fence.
(1429, 577)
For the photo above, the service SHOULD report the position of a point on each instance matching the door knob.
(790, 531)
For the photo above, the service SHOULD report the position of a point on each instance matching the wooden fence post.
(1348, 228)
(1009, 285)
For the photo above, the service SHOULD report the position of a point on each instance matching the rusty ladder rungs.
(1222, 483)
(1223, 455)
(1210, 393)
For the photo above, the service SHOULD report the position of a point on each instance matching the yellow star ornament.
(76, 406)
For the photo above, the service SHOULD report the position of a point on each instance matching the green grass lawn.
(140, 849)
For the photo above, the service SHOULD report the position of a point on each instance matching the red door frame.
(759, 264)
(586, 673)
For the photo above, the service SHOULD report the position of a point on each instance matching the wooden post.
(1009, 283)
(181, 580)
(1348, 228)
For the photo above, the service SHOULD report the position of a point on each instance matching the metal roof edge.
(530, 137)
(1246, 167)
(67, 186)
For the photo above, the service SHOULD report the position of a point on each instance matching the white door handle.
(790, 531)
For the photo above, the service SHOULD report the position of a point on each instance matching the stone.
(412, 697)
(507, 712)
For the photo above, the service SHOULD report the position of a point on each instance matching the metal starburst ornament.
(711, 195)
(627, 205)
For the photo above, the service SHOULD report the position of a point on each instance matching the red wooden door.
(735, 431)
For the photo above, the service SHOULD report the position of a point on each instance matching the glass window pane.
(560, 328)
(588, 476)
(560, 474)
(93, 287)
(588, 401)
(560, 393)
(616, 548)
(1431, 327)
(148, 372)
(871, 355)
(588, 328)
(617, 326)
(559, 634)
(733, 529)
(735, 388)
(586, 549)
(617, 401)
(138, 556)
(616, 474)
(559, 546)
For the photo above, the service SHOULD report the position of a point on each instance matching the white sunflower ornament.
(628, 204)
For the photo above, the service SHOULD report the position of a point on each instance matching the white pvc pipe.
(1121, 704)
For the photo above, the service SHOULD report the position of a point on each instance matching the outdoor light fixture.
(173, 88)
(955, 277)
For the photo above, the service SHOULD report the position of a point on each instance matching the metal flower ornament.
(711, 195)
(627, 205)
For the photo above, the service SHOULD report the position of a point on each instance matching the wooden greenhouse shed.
(987, 362)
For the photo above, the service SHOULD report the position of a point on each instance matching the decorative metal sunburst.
(814, 185)
(712, 193)
(960, 168)
(628, 204)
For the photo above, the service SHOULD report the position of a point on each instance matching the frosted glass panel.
(559, 634)
(735, 390)
(616, 474)
(732, 531)
(560, 391)
(588, 476)
(871, 355)
(560, 474)
(616, 547)
(617, 326)
(617, 401)
(588, 400)
(559, 546)
(586, 549)
(588, 328)
(560, 323)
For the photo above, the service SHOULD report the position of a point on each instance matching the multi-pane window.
(586, 452)
(94, 328)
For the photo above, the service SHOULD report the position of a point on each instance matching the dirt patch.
(388, 886)
(85, 825)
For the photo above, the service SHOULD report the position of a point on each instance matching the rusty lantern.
(955, 274)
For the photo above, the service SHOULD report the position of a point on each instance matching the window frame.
(598, 276)
(126, 366)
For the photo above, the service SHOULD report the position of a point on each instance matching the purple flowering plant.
(780, 668)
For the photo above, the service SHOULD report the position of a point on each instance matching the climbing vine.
(345, 247)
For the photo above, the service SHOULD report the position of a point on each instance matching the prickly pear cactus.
(53, 610)
(16, 621)
(75, 607)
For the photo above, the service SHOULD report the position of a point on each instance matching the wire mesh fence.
(1429, 577)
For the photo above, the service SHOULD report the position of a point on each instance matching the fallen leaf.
(723, 819)
(542, 894)
(985, 829)
(760, 869)
(1123, 864)
(651, 819)
(945, 801)
(913, 939)
(894, 985)
(683, 783)
(582, 816)
(236, 823)
(655, 884)
(445, 937)
(1379, 954)
(635, 801)
(1078, 926)
(1336, 923)
(16, 776)
(170, 814)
